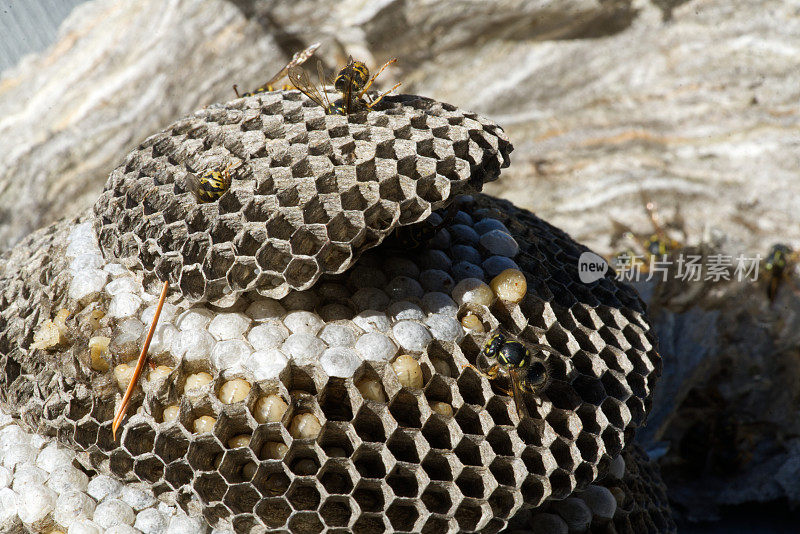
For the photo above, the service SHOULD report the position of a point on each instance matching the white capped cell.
(339, 335)
(437, 302)
(127, 284)
(266, 364)
(376, 347)
(28, 475)
(267, 336)
(151, 521)
(229, 326)
(5, 477)
(85, 526)
(129, 330)
(303, 322)
(163, 338)
(303, 348)
(265, 309)
(411, 335)
(136, 498)
(404, 310)
(23, 453)
(192, 345)
(8, 507)
(167, 314)
(112, 512)
(445, 327)
(86, 261)
(229, 354)
(73, 506)
(102, 486)
(115, 270)
(67, 478)
(183, 524)
(194, 319)
(34, 502)
(340, 362)
(87, 283)
(372, 321)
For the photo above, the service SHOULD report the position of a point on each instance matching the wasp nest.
(351, 405)
(312, 192)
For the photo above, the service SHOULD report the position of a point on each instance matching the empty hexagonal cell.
(171, 444)
(473, 420)
(407, 410)
(440, 497)
(371, 495)
(372, 460)
(86, 433)
(504, 502)
(139, 438)
(210, 487)
(241, 498)
(404, 515)
(441, 465)
(178, 474)
(370, 424)
(120, 463)
(475, 482)
(203, 451)
(338, 477)
(149, 468)
(565, 423)
(438, 525)
(336, 436)
(471, 387)
(337, 511)
(535, 489)
(441, 432)
(473, 514)
(274, 512)
(274, 256)
(213, 513)
(473, 450)
(562, 483)
(407, 480)
(304, 494)
(508, 471)
(337, 401)
(272, 479)
(408, 445)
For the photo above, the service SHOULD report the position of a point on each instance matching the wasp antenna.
(123, 407)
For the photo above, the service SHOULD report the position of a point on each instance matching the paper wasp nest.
(313, 191)
(403, 462)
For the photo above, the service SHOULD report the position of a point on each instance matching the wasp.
(298, 59)
(212, 184)
(516, 361)
(644, 247)
(352, 82)
(779, 263)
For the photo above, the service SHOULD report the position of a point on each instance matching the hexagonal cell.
(439, 525)
(338, 477)
(369, 425)
(86, 433)
(504, 503)
(272, 478)
(120, 463)
(406, 410)
(440, 497)
(303, 458)
(171, 444)
(304, 494)
(406, 480)
(473, 514)
(203, 452)
(475, 482)
(336, 401)
(535, 489)
(473, 420)
(407, 445)
(338, 435)
(441, 465)
(404, 515)
(368, 523)
(441, 433)
(149, 468)
(232, 465)
(471, 387)
(274, 512)
(178, 474)
(337, 511)
(372, 461)
(371, 495)
(210, 487)
(241, 498)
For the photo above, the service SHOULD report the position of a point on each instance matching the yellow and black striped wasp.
(352, 82)
(780, 262)
(212, 184)
(298, 59)
(520, 363)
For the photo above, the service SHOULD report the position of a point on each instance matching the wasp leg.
(490, 373)
(236, 90)
(364, 90)
(380, 97)
(123, 407)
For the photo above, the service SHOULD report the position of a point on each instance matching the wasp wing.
(298, 59)
(517, 393)
(299, 78)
